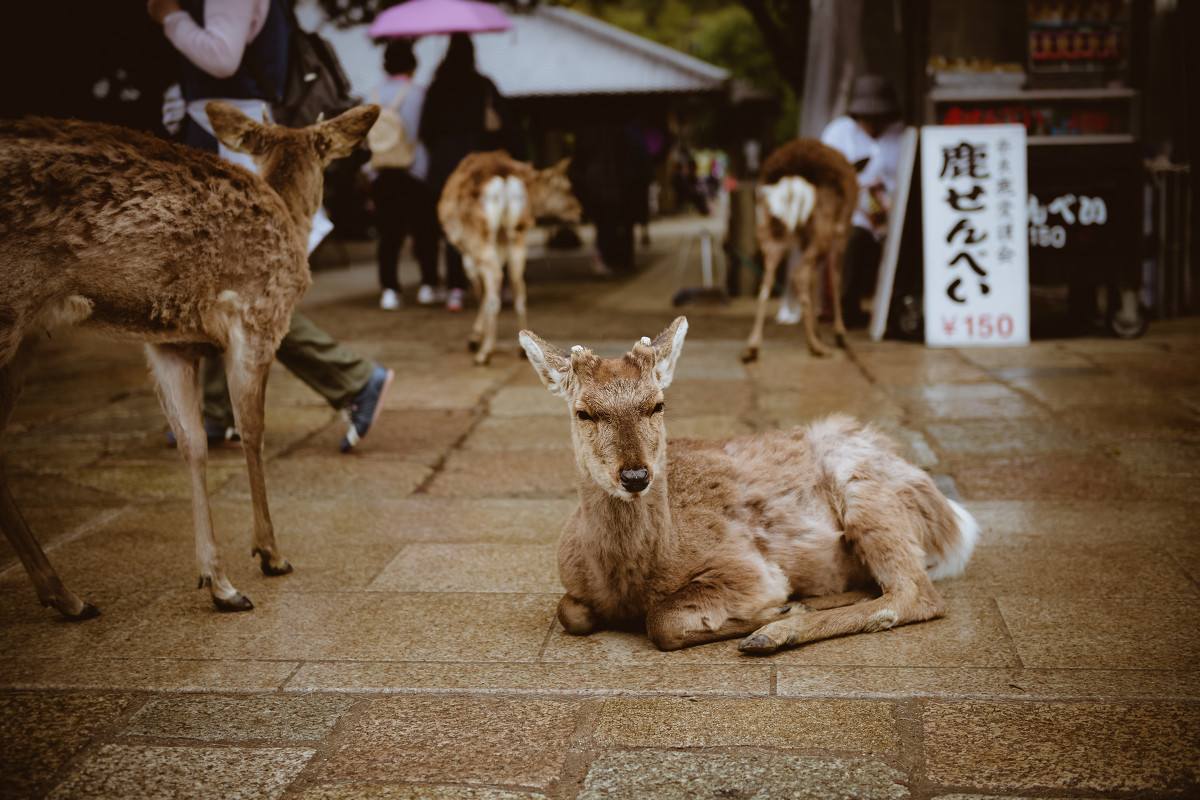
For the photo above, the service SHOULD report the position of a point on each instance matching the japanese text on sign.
(1048, 223)
(975, 207)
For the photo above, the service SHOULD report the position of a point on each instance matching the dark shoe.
(217, 434)
(366, 406)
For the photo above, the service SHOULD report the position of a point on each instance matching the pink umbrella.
(424, 17)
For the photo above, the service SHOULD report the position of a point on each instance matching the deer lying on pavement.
(159, 243)
(486, 210)
(712, 543)
(806, 199)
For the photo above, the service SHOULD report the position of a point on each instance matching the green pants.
(309, 353)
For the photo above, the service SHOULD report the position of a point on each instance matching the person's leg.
(456, 276)
(218, 410)
(328, 368)
(389, 215)
(859, 265)
(422, 210)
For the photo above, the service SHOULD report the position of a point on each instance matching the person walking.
(404, 203)
(463, 114)
(237, 51)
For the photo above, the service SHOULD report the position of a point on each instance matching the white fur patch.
(664, 369)
(881, 620)
(954, 561)
(494, 199)
(555, 379)
(791, 200)
(515, 200)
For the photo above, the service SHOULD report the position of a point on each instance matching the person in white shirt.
(868, 135)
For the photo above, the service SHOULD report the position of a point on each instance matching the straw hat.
(872, 95)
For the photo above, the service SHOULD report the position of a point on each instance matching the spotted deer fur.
(806, 199)
(716, 539)
(158, 243)
(486, 209)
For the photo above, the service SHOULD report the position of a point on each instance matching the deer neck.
(295, 188)
(629, 530)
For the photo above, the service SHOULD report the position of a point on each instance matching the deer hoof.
(86, 611)
(819, 351)
(473, 345)
(841, 340)
(481, 359)
(271, 567)
(749, 355)
(239, 602)
(757, 644)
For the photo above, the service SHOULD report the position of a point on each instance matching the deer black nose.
(635, 480)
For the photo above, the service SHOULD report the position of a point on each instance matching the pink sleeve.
(217, 47)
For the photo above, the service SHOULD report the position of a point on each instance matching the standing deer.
(487, 208)
(159, 243)
(715, 547)
(806, 200)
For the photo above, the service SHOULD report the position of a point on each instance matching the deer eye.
(658, 408)
(585, 416)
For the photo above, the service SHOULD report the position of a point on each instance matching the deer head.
(616, 406)
(293, 160)
(550, 194)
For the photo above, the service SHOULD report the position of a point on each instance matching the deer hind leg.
(516, 273)
(247, 364)
(773, 253)
(177, 372)
(807, 281)
(835, 263)
(476, 338)
(490, 273)
(50, 589)
(888, 546)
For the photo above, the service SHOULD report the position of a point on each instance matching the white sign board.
(974, 204)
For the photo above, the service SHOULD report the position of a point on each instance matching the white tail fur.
(955, 559)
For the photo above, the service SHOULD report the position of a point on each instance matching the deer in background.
(806, 199)
(154, 242)
(486, 210)
(712, 542)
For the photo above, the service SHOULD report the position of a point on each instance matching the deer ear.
(235, 130)
(550, 363)
(337, 137)
(667, 347)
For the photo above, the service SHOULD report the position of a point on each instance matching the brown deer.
(154, 242)
(711, 543)
(806, 199)
(487, 208)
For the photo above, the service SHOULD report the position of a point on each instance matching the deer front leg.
(178, 376)
(577, 617)
(247, 364)
(703, 612)
(807, 283)
(888, 547)
(773, 253)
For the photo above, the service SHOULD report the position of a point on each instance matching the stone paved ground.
(414, 653)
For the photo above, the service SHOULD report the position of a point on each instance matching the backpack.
(315, 82)
(389, 141)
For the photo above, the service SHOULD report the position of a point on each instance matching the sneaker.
(789, 309)
(216, 433)
(454, 300)
(366, 406)
(389, 300)
(430, 295)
